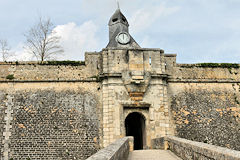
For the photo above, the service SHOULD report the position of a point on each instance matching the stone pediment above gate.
(136, 83)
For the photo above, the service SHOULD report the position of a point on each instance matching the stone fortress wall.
(51, 120)
(50, 111)
(63, 111)
(205, 102)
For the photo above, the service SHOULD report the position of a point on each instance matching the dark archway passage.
(135, 126)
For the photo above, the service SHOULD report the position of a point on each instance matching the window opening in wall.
(115, 20)
(150, 60)
(135, 126)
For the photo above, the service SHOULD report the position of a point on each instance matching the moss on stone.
(212, 65)
(218, 65)
(67, 63)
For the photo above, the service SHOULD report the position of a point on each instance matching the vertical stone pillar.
(105, 114)
(7, 133)
(108, 102)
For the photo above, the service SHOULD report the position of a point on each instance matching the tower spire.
(118, 5)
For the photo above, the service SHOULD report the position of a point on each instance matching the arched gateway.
(135, 126)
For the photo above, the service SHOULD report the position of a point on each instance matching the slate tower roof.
(118, 24)
(118, 17)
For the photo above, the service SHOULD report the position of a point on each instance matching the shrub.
(10, 77)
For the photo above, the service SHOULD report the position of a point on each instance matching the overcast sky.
(197, 30)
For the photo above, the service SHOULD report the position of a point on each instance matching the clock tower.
(119, 36)
(134, 88)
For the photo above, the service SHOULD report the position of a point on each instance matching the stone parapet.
(182, 72)
(118, 150)
(52, 70)
(189, 150)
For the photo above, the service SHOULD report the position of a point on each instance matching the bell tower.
(119, 36)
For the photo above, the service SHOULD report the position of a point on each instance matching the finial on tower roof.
(118, 5)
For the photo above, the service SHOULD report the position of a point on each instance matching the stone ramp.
(152, 155)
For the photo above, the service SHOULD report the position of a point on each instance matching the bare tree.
(42, 41)
(4, 49)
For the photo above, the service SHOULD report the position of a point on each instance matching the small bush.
(10, 77)
(213, 65)
(218, 65)
(66, 63)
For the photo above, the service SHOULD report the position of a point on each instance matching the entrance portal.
(135, 126)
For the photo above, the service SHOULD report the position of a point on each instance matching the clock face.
(123, 38)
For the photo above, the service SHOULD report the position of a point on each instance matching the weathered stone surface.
(119, 150)
(197, 103)
(208, 113)
(189, 150)
(152, 155)
(62, 111)
(61, 123)
(183, 72)
(133, 82)
(32, 71)
(2, 115)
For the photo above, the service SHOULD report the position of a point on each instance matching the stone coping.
(49, 81)
(175, 80)
(197, 65)
(181, 147)
(138, 49)
(170, 55)
(38, 63)
(118, 150)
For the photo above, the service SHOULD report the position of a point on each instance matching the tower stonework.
(134, 80)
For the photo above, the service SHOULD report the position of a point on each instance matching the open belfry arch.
(134, 80)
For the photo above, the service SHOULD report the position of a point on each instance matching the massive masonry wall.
(205, 105)
(53, 120)
(2, 112)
